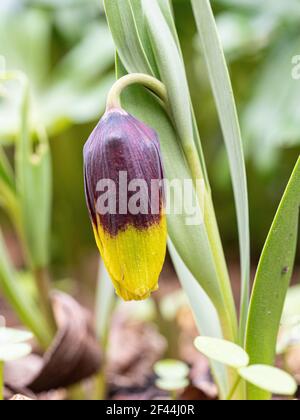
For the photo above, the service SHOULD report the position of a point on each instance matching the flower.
(124, 192)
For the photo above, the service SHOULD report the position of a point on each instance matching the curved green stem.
(151, 83)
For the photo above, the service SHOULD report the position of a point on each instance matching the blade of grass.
(272, 281)
(222, 90)
(126, 36)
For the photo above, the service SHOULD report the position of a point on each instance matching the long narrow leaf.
(6, 173)
(126, 36)
(272, 280)
(104, 303)
(8, 197)
(24, 307)
(222, 89)
(205, 314)
(172, 70)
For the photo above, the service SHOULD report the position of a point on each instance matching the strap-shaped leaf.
(6, 173)
(222, 351)
(272, 280)
(222, 89)
(199, 246)
(20, 301)
(204, 312)
(34, 186)
(172, 70)
(105, 301)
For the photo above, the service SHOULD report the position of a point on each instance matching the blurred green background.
(65, 48)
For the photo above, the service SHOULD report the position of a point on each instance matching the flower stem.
(113, 99)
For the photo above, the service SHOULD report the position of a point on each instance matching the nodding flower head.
(124, 192)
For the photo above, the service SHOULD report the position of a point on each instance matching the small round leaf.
(171, 384)
(12, 336)
(269, 379)
(12, 352)
(171, 369)
(222, 351)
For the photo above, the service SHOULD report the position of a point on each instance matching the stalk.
(43, 285)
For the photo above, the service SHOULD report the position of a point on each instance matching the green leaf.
(270, 379)
(12, 336)
(204, 312)
(25, 308)
(105, 301)
(25, 43)
(171, 69)
(222, 89)
(126, 36)
(171, 384)
(291, 311)
(68, 102)
(78, 89)
(272, 280)
(11, 352)
(8, 196)
(6, 172)
(222, 351)
(167, 11)
(171, 369)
